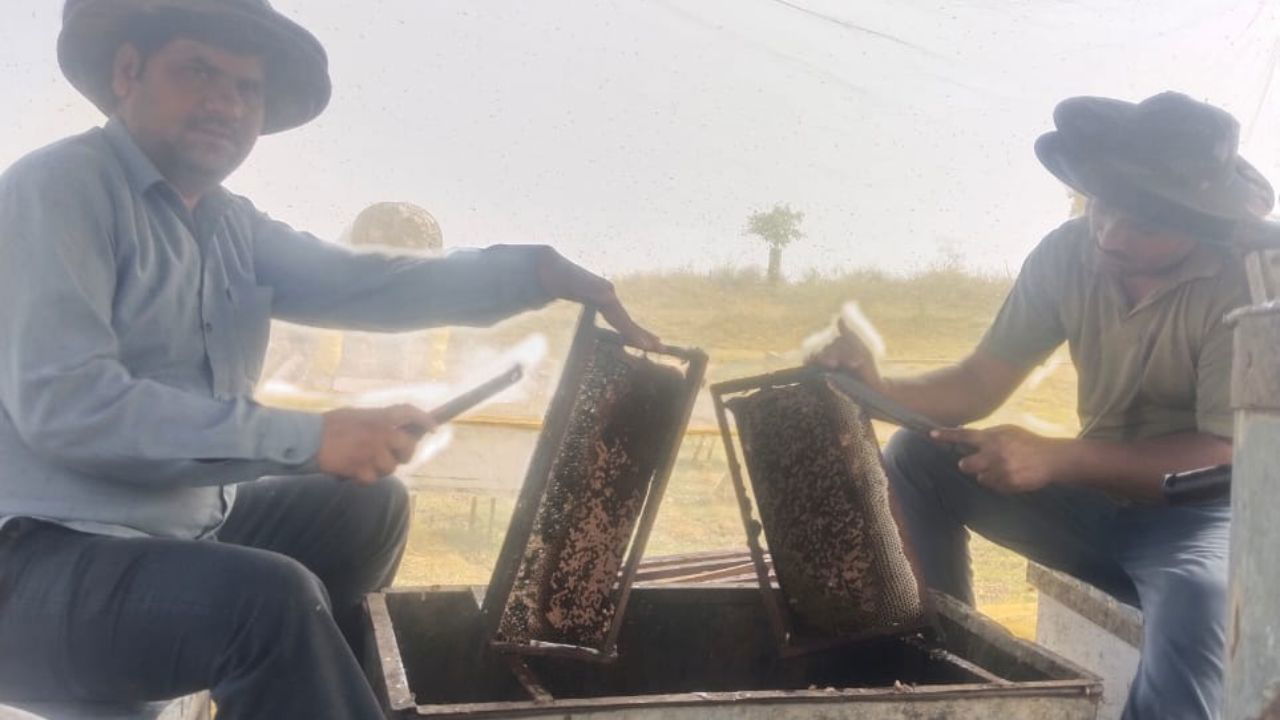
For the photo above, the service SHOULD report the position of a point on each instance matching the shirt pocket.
(251, 325)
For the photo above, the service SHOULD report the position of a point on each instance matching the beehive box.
(588, 503)
(706, 653)
(819, 486)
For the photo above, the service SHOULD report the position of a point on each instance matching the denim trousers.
(267, 616)
(1171, 562)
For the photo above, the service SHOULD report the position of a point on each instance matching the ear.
(126, 71)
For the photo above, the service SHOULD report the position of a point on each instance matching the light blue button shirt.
(132, 334)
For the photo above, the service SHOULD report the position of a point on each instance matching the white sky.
(640, 133)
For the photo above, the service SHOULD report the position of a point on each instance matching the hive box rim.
(402, 703)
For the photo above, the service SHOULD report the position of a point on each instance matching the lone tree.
(778, 228)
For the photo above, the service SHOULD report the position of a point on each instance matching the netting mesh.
(823, 499)
(565, 590)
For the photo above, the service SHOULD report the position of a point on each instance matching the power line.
(1269, 80)
(849, 25)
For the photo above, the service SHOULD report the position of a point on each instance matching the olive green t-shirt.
(1161, 366)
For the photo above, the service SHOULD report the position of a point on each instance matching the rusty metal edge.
(528, 680)
(696, 371)
(974, 669)
(1040, 658)
(535, 482)
(1123, 621)
(778, 623)
(1084, 689)
(395, 679)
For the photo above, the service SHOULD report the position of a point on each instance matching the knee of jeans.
(906, 457)
(284, 585)
(394, 496)
(1187, 607)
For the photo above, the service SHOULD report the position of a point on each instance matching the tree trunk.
(775, 265)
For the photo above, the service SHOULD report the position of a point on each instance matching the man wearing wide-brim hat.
(1138, 290)
(160, 532)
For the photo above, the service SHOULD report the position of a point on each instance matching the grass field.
(748, 327)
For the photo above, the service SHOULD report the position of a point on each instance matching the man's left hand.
(1008, 459)
(564, 280)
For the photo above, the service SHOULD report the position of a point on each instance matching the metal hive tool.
(825, 509)
(594, 484)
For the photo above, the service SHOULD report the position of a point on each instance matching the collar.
(1207, 260)
(143, 175)
(138, 168)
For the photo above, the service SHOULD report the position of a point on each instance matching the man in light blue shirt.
(160, 532)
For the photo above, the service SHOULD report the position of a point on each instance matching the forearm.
(953, 395)
(1135, 470)
(469, 287)
(321, 284)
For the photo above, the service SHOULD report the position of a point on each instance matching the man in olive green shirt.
(1138, 290)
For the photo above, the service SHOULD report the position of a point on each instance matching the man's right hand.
(367, 444)
(565, 280)
(846, 351)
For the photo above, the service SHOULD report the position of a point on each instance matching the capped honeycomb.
(823, 499)
(619, 431)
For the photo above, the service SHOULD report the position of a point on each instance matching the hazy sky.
(641, 133)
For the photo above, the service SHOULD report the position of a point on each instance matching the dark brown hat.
(1168, 159)
(298, 86)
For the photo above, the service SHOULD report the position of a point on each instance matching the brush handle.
(879, 405)
(469, 399)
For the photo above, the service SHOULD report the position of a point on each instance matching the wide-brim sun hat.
(1168, 159)
(298, 86)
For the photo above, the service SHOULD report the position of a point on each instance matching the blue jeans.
(1169, 561)
(268, 616)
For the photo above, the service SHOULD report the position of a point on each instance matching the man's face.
(196, 110)
(1131, 246)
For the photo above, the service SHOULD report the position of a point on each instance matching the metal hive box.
(706, 653)
(590, 497)
(824, 507)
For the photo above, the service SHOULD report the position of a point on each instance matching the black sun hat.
(1169, 159)
(298, 85)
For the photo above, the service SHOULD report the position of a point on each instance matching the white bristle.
(857, 322)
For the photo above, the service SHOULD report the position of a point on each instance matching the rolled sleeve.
(326, 285)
